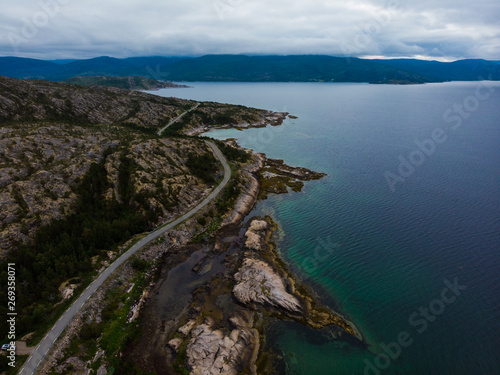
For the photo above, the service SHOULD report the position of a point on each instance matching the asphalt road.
(39, 353)
(176, 119)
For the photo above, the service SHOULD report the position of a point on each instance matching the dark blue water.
(383, 245)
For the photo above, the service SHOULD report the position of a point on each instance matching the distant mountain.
(240, 68)
(17, 67)
(130, 83)
(286, 68)
(462, 70)
(62, 61)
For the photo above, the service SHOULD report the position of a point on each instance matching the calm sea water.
(386, 257)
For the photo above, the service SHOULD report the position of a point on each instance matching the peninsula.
(85, 174)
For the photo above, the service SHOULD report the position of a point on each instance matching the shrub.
(139, 264)
(203, 166)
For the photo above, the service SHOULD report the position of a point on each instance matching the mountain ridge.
(267, 68)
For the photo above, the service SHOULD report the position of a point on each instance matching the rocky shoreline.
(267, 118)
(221, 335)
(221, 329)
(207, 304)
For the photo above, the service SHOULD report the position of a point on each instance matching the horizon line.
(365, 57)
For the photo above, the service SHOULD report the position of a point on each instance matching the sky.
(444, 30)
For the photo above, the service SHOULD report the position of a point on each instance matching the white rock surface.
(175, 343)
(210, 352)
(254, 240)
(186, 328)
(257, 282)
(258, 225)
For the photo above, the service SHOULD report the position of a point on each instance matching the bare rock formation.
(211, 352)
(264, 283)
(254, 239)
(258, 283)
(250, 190)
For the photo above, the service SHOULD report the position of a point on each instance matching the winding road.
(177, 119)
(41, 351)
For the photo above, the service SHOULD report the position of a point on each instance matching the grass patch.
(180, 359)
(212, 228)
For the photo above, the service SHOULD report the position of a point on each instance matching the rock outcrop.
(300, 173)
(254, 239)
(258, 284)
(278, 178)
(211, 352)
(202, 124)
(263, 282)
(250, 190)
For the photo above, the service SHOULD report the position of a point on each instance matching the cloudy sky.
(431, 29)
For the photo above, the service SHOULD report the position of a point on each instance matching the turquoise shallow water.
(381, 257)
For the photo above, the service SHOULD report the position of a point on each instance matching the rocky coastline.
(221, 330)
(207, 304)
(198, 298)
(266, 118)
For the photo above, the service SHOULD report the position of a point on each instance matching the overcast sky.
(431, 29)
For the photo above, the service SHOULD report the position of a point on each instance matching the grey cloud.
(448, 29)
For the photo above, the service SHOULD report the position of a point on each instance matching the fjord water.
(382, 257)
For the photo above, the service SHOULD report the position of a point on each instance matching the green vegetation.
(232, 153)
(229, 196)
(138, 128)
(175, 130)
(8, 370)
(203, 166)
(117, 333)
(180, 359)
(139, 264)
(63, 249)
(213, 226)
(125, 189)
(113, 334)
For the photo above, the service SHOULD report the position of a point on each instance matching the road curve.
(177, 119)
(40, 352)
